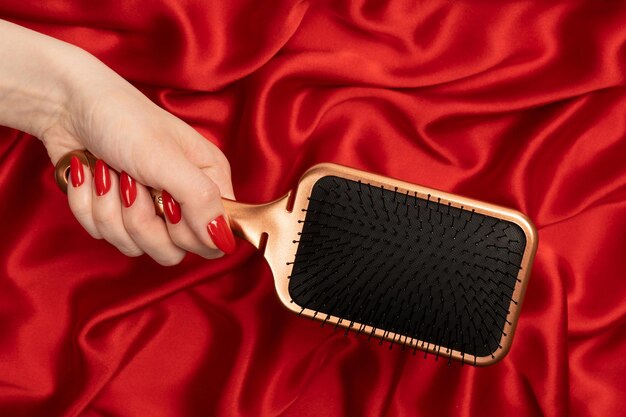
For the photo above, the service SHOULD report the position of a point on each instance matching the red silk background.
(521, 104)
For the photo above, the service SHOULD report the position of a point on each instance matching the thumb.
(198, 192)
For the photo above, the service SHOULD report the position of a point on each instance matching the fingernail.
(171, 208)
(76, 172)
(222, 236)
(102, 178)
(128, 189)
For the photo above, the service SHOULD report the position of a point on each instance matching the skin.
(70, 100)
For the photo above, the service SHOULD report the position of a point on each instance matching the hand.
(97, 110)
(114, 121)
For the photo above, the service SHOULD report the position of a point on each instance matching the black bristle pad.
(407, 264)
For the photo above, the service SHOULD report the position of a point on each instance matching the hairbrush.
(421, 268)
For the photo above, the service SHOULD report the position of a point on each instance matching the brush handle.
(251, 222)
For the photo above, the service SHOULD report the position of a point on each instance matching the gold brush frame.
(273, 227)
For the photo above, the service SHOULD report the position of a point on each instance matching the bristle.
(415, 268)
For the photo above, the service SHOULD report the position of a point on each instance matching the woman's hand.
(70, 100)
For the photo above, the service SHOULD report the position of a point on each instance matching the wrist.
(34, 82)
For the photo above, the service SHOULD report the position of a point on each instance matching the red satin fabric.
(521, 104)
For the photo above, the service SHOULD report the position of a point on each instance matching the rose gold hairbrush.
(420, 268)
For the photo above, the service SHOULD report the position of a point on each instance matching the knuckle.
(188, 243)
(208, 192)
(94, 233)
(224, 165)
(130, 250)
(219, 163)
(170, 259)
(179, 241)
(137, 224)
(105, 218)
(80, 210)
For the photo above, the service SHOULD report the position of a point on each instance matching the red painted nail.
(171, 208)
(128, 189)
(76, 172)
(102, 178)
(222, 236)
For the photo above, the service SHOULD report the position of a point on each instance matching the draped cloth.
(520, 104)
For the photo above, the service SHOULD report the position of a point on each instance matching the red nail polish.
(171, 208)
(222, 236)
(76, 172)
(128, 189)
(102, 178)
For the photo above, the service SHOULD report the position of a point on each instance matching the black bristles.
(422, 271)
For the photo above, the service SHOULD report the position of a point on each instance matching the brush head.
(427, 273)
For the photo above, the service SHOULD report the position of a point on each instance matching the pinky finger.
(79, 196)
